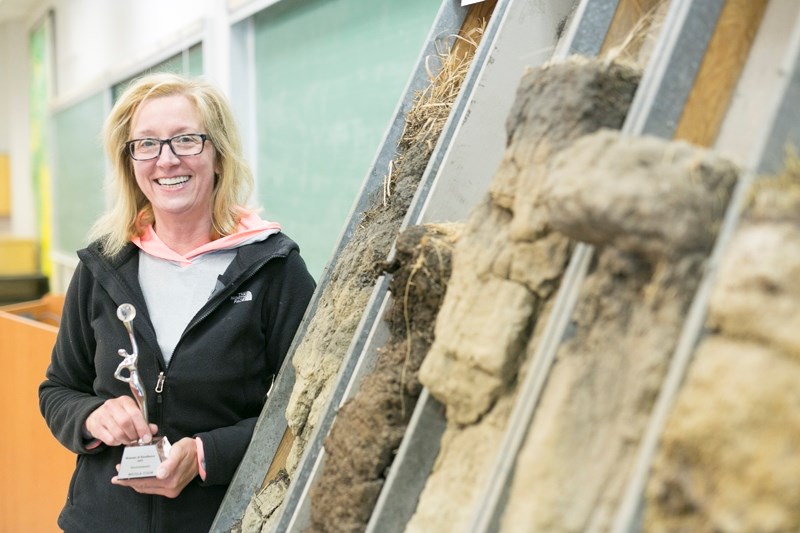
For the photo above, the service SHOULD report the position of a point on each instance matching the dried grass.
(638, 44)
(440, 239)
(431, 107)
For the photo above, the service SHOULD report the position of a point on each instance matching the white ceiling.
(15, 9)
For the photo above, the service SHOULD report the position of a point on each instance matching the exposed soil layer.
(652, 209)
(506, 268)
(330, 332)
(318, 357)
(369, 427)
(729, 459)
(261, 511)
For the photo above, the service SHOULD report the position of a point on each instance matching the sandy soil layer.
(729, 458)
(506, 268)
(652, 209)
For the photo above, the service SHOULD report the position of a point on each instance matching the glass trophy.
(139, 460)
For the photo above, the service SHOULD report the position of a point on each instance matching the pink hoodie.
(251, 229)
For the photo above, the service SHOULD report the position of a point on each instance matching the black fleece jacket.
(214, 387)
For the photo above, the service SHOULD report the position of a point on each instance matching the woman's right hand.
(119, 421)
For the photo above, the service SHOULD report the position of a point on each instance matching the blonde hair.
(132, 211)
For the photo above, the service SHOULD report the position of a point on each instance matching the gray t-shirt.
(174, 293)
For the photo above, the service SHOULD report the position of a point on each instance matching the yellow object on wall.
(5, 186)
(18, 256)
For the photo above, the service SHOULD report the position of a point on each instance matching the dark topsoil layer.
(369, 427)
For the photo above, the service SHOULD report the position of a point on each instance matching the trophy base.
(142, 460)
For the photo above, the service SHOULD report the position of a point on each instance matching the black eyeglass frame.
(129, 145)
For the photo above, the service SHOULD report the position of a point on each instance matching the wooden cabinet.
(36, 468)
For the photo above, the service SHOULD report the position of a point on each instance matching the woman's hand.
(119, 421)
(172, 475)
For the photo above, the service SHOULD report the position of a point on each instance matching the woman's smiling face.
(175, 186)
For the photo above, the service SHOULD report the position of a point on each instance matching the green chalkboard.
(79, 170)
(329, 75)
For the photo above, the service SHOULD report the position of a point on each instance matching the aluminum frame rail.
(783, 128)
(525, 38)
(272, 423)
(420, 446)
(587, 31)
(655, 110)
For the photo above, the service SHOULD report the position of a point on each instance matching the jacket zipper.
(153, 511)
(159, 399)
(162, 376)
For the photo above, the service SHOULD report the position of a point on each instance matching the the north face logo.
(245, 296)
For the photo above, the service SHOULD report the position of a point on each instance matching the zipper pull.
(160, 382)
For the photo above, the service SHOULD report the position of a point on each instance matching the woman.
(218, 293)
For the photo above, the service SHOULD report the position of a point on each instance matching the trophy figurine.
(141, 459)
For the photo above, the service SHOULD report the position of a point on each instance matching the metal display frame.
(656, 109)
(297, 501)
(420, 445)
(272, 423)
(782, 128)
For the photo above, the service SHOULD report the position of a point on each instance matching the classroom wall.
(123, 37)
(14, 126)
(5, 93)
(128, 37)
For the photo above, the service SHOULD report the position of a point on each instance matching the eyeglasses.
(184, 144)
